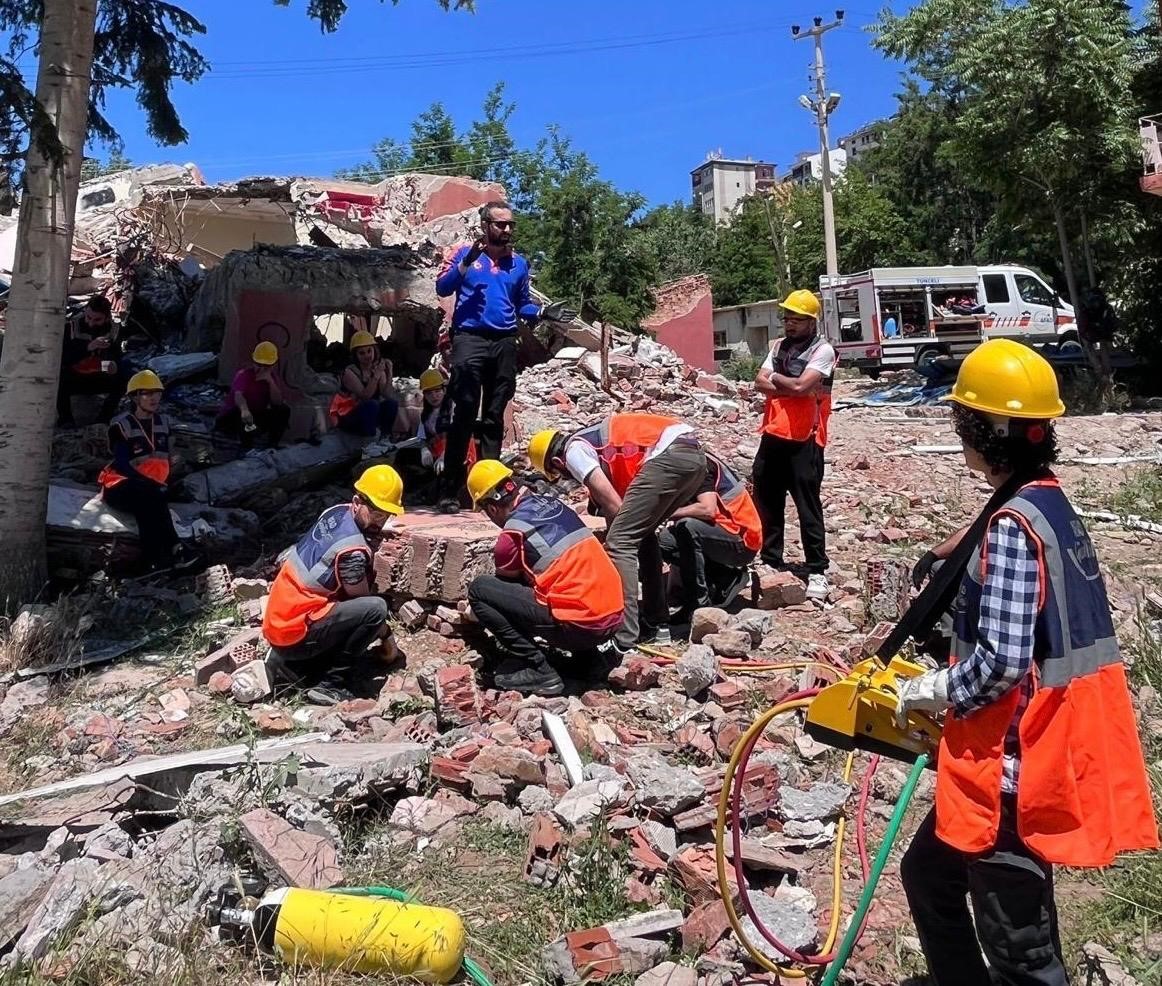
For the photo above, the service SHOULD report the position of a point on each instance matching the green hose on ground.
(475, 973)
(881, 861)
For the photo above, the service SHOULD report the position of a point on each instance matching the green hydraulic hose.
(475, 973)
(881, 861)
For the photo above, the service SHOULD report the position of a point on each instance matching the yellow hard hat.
(803, 302)
(144, 380)
(1003, 377)
(265, 354)
(431, 379)
(539, 451)
(383, 486)
(361, 339)
(485, 477)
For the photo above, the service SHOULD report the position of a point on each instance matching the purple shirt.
(256, 392)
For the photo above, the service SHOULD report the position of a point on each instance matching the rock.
(221, 683)
(706, 925)
(792, 925)
(272, 722)
(778, 589)
(110, 841)
(299, 858)
(586, 800)
(708, 620)
(502, 816)
(662, 788)
(668, 974)
(21, 892)
(729, 643)
(822, 800)
(355, 772)
(758, 623)
(251, 683)
(635, 674)
(534, 798)
(425, 816)
(697, 669)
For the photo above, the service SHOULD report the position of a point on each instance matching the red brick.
(543, 851)
(778, 589)
(458, 701)
(637, 674)
(705, 926)
(695, 869)
(728, 695)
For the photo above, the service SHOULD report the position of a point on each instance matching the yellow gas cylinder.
(367, 934)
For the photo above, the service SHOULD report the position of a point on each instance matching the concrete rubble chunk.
(777, 590)
(706, 621)
(668, 974)
(514, 765)
(20, 696)
(1103, 968)
(21, 892)
(734, 644)
(110, 841)
(251, 684)
(822, 800)
(426, 816)
(758, 623)
(534, 798)
(662, 788)
(299, 858)
(411, 614)
(635, 674)
(792, 925)
(697, 669)
(333, 772)
(587, 800)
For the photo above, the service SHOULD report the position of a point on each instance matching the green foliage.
(744, 368)
(91, 168)
(744, 263)
(330, 12)
(680, 238)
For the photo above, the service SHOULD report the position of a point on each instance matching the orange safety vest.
(735, 511)
(1082, 791)
(308, 582)
(622, 442)
(797, 419)
(148, 452)
(344, 402)
(571, 573)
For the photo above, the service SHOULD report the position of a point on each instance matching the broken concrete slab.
(587, 800)
(334, 772)
(432, 556)
(21, 893)
(668, 974)
(662, 788)
(697, 669)
(299, 858)
(822, 800)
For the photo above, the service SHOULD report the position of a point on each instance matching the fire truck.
(892, 318)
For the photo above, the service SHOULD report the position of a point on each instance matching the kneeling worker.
(638, 469)
(323, 612)
(553, 581)
(713, 540)
(1040, 762)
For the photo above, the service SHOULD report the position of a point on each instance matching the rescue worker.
(323, 612)
(712, 540)
(137, 480)
(255, 402)
(491, 285)
(1040, 762)
(553, 581)
(796, 379)
(638, 469)
(364, 405)
(90, 361)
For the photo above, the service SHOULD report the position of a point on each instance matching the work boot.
(528, 679)
(659, 636)
(329, 693)
(448, 505)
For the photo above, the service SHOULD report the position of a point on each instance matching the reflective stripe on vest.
(571, 573)
(797, 419)
(735, 511)
(1082, 793)
(308, 581)
(148, 451)
(622, 442)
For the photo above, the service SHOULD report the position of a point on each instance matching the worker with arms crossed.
(796, 379)
(712, 540)
(638, 469)
(553, 581)
(1040, 762)
(323, 612)
(491, 285)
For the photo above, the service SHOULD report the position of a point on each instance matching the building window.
(720, 340)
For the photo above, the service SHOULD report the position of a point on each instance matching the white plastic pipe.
(563, 744)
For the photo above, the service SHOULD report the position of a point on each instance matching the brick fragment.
(458, 701)
(543, 852)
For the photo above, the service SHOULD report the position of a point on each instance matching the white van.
(898, 317)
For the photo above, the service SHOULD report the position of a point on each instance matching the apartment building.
(808, 166)
(720, 183)
(864, 139)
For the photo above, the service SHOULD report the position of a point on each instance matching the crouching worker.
(554, 581)
(137, 480)
(713, 540)
(255, 403)
(1040, 762)
(323, 612)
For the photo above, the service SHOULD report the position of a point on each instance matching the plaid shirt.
(1003, 658)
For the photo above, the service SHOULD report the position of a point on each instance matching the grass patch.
(1140, 494)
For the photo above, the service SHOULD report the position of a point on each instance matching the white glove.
(439, 465)
(426, 459)
(926, 693)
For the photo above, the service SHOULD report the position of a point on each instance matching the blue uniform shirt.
(491, 295)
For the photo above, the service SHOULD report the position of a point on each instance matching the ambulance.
(893, 318)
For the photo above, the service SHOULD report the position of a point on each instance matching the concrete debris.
(819, 802)
(1102, 967)
(776, 590)
(586, 800)
(697, 669)
(663, 789)
(792, 925)
(296, 858)
(668, 974)
(707, 621)
(426, 816)
(734, 644)
(251, 684)
(21, 893)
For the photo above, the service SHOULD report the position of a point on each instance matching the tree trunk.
(1074, 294)
(30, 368)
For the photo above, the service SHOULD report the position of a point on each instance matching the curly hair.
(1029, 446)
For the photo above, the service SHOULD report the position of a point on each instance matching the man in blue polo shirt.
(491, 284)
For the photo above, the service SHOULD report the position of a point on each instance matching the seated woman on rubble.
(363, 405)
(255, 403)
(427, 461)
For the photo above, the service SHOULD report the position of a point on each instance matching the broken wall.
(683, 320)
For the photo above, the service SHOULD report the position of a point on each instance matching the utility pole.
(823, 105)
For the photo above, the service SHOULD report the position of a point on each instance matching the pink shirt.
(256, 392)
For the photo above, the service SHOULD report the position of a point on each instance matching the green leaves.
(330, 12)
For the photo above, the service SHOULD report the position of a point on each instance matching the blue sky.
(646, 87)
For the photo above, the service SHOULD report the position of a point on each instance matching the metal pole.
(825, 149)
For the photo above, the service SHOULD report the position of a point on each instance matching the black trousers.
(74, 384)
(1012, 898)
(333, 645)
(271, 421)
(783, 467)
(147, 504)
(709, 559)
(510, 611)
(483, 382)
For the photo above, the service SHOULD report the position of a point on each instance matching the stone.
(251, 684)
(662, 788)
(822, 800)
(729, 643)
(533, 799)
(426, 816)
(706, 621)
(272, 722)
(668, 974)
(777, 590)
(635, 674)
(697, 669)
(759, 857)
(411, 614)
(110, 841)
(21, 892)
(791, 924)
(220, 683)
(502, 816)
(515, 765)
(587, 800)
(299, 858)
(458, 701)
(809, 748)
(705, 926)
(758, 623)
